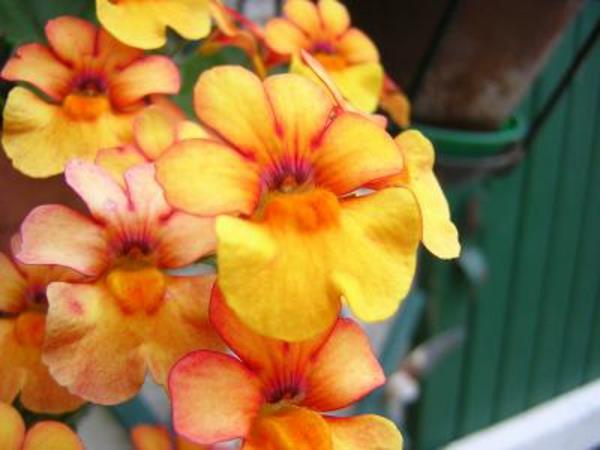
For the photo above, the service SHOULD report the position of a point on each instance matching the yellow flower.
(143, 24)
(289, 165)
(324, 30)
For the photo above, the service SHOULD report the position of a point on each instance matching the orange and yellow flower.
(93, 84)
(275, 395)
(156, 437)
(23, 307)
(154, 132)
(102, 335)
(143, 24)
(324, 30)
(289, 167)
(42, 436)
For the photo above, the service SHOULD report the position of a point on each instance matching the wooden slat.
(542, 173)
(562, 244)
(586, 281)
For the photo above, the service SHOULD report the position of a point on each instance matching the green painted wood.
(562, 244)
(448, 296)
(490, 307)
(576, 159)
(542, 172)
(533, 328)
(586, 281)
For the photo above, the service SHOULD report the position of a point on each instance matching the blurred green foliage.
(23, 21)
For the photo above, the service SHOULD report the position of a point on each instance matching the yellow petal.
(232, 101)
(301, 108)
(284, 37)
(382, 231)
(439, 233)
(367, 432)
(289, 428)
(357, 48)
(275, 278)
(352, 152)
(305, 15)
(207, 178)
(361, 84)
(116, 161)
(144, 24)
(154, 132)
(12, 428)
(41, 138)
(335, 16)
(47, 434)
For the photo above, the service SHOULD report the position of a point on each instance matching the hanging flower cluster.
(307, 202)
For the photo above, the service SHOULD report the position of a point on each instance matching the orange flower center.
(308, 211)
(138, 287)
(85, 107)
(331, 62)
(30, 329)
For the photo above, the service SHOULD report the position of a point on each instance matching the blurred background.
(501, 348)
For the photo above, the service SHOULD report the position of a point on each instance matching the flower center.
(87, 101)
(331, 61)
(30, 329)
(284, 395)
(138, 286)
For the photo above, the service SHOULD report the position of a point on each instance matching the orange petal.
(40, 138)
(382, 230)
(12, 428)
(86, 331)
(289, 428)
(191, 130)
(11, 374)
(150, 437)
(37, 65)
(357, 48)
(335, 17)
(112, 54)
(232, 101)
(214, 397)
(20, 343)
(282, 36)
(275, 275)
(55, 234)
(208, 178)
(149, 75)
(51, 435)
(439, 233)
(116, 161)
(12, 287)
(144, 24)
(154, 132)
(184, 239)
(301, 108)
(352, 152)
(366, 432)
(72, 39)
(343, 371)
(180, 326)
(274, 361)
(305, 15)
(397, 105)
